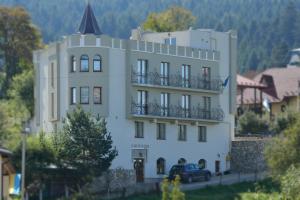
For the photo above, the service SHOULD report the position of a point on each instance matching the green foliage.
(165, 189)
(85, 145)
(176, 194)
(290, 183)
(18, 39)
(284, 121)
(251, 123)
(287, 148)
(173, 19)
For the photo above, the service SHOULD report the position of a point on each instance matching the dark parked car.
(189, 173)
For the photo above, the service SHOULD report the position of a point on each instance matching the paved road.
(223, 180)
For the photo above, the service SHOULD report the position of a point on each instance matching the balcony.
(175, 81)
(196, 113)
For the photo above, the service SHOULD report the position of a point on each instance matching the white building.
(160, 93)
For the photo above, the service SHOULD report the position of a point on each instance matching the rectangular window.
(202, 133)
(142, 71)
(97, 95)
(139, 129)
(142, 102)
(185, 105)
(206, 76)
(161, 131)
(170, 41)
(182, 132)
(52, 105)
(164, 73)
(84, 63)
(73, 95)
(52, 74)
(185, 75)
(207, 107)
(73, 64)
(84, 95)
(164, 103)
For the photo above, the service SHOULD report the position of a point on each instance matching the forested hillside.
(266, 29)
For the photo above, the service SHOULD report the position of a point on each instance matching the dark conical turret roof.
(89, 24)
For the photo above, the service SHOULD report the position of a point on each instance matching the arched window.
(160, 166)
(84, 63)
(202, 164)
(97, 67)
(182, 161)
(73, 64)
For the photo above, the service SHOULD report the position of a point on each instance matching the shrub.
(290, 183)
(251, 123)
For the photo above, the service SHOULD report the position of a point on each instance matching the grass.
(265, 189)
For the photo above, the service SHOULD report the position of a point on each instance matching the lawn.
(265, 189)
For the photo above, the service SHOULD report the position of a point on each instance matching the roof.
(246, 82)
(5, 152)
(280, 83)
(89, 24)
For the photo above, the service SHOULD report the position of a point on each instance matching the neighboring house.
(294, 56)
(279, 86)
(161, 93)
(6, 170)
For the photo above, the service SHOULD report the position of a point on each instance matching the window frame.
(182, 127)
(81, 59)
(161, 166)
(73, 63)
(158, 133)
(100, 88)
(137, 126)
(88, 95)
(202, 134)
(100, 61)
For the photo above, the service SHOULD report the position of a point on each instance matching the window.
(142, 102)
(142, 71)
(202, 133)
(206, 77)
(73, 95)
(84, 63)
(170, 41)
(202, 164)
(164, 103)
(84, 95)
(185, 75)
(161, 131)
(185, 105)
(182, 132)
(73, 64)
(160, 166)
(97, 64)
(52, 105)
(97, 95)
(164, 73)
(207, 107)
(181, 161)
(139, 129)
(52, 75)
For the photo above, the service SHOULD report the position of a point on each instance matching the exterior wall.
(291, 104)
(119, 57)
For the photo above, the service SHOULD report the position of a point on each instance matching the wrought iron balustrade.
(176, 111)
(176, 80)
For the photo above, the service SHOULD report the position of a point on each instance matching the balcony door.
(206, 77)
(186, 75)
(142, 71)
(164, 73)
(185, 105)
(207, 107)
(164, 103)
(142, 102)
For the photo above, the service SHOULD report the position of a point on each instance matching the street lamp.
(25, 131)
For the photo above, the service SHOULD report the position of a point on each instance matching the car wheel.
(190, 179)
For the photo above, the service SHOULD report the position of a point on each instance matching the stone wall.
(247, 154)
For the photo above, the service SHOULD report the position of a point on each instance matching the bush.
(251, 123)
(290, 183)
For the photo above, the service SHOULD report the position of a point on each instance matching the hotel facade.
(162, 94)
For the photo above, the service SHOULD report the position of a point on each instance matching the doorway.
(217, 167)
(138, 164)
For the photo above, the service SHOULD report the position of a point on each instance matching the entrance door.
(217, 166)
(138, 164)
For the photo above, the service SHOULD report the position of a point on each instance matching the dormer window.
(84, 63)
(97, 65)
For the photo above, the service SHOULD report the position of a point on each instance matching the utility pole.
(25, 131)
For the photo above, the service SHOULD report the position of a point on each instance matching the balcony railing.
(176, 111)
(176, 80)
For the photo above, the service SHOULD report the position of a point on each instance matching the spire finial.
(89, 23)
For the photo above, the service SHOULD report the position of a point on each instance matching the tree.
(251, 123)
(86, 145)
(173, 19)
(18, 39)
